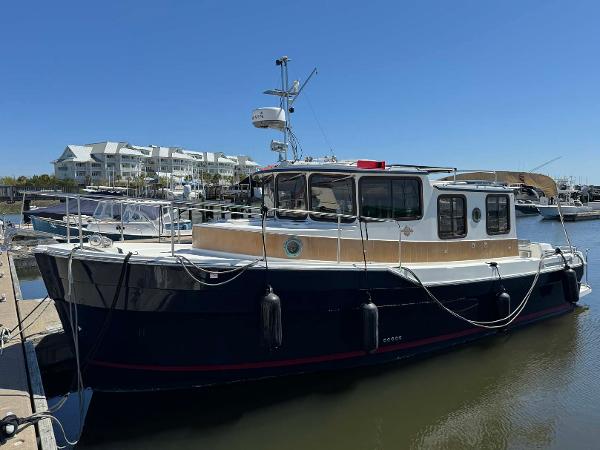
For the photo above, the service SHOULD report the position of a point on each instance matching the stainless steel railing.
(175, 208)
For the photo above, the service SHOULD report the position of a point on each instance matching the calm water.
(14, 218)
(534, 388)
(31, 283)
(32, 286)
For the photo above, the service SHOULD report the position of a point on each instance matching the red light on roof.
(370, 164)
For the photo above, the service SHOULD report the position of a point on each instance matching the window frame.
(261, 182)
(508, 222)
(465, 209)
(290, 216)
(391, 178)
(322, 217)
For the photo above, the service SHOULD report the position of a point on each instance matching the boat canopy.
(60, 210)
(132, 212)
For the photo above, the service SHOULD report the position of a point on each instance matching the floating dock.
(587, 215)
(21, 389)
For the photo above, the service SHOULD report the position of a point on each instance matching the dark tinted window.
(390, 198)
(452, 217)
(332, 194)
(497, 214)
(291, 194)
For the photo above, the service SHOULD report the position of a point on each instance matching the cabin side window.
(291, 194)
(452, 216)
(497, 214)
(390, 198)
(333, 194)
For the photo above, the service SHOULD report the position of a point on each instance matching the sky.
(470, 84)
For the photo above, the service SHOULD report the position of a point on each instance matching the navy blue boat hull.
(166, 331)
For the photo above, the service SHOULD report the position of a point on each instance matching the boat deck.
(430, 272)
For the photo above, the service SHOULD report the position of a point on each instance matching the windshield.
(107, 210)
(137, 213)
(291, 194)
(332, 194)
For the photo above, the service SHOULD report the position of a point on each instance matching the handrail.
(216, 207)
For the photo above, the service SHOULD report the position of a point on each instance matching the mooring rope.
(182, 260)
(21, 330)
(492, 324)
(74, 324)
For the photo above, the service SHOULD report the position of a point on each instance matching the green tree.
(8, 181)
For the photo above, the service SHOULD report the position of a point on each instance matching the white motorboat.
(119, 219)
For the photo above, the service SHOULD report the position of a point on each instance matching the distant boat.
(570, 198)
(567, 209)
(526, 208)
(139, 220)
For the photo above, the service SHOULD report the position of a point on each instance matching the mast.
(282, 63)
(280, 118)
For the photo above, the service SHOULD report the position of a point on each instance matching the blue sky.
(473, 84)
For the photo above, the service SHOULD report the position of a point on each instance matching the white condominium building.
(106, 162)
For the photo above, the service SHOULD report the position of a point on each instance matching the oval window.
(476, 215)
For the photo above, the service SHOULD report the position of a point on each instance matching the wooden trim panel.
(325, 248)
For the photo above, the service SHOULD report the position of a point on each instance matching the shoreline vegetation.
(43, 181)
(46, 181)
(15, 207)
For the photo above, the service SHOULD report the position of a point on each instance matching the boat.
(526, 199)
(115, 219)
(346, 263)
(526, 208)
(572, 202)
(186, 192)
(111, 191)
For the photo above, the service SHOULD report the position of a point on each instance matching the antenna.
(545, 164)
(279, 118)
(314, 72)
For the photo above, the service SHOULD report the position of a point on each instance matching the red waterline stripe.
(314, 359)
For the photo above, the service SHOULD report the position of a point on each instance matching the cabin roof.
(337, 169)
(351, 166)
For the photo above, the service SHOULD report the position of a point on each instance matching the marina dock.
(586, 215)
(21, 389)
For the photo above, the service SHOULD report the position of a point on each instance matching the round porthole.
(293, 247)
(476, 215)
